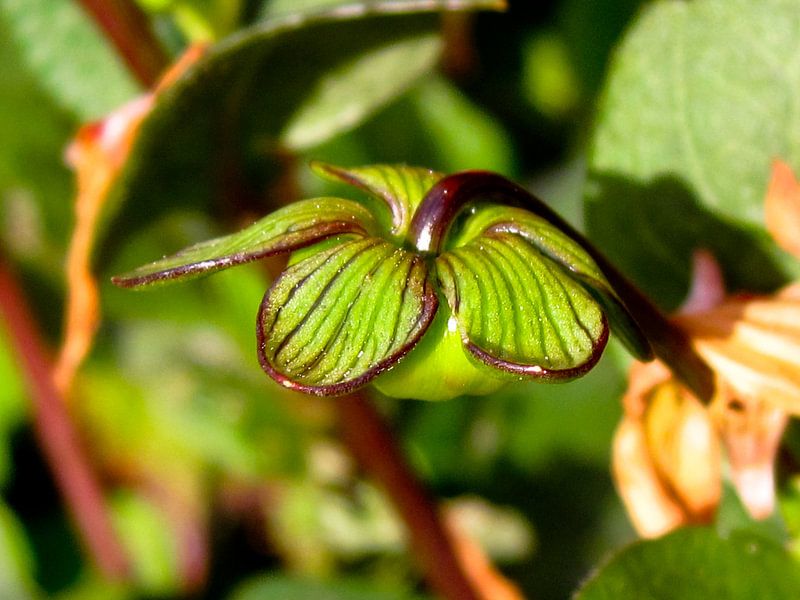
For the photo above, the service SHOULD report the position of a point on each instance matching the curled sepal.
(559, 247)
(518, 310)
(399, 187)
(292, 227)
(337, 319)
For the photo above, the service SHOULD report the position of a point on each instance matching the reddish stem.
(373, 446)
(56, 435)
(128, 29)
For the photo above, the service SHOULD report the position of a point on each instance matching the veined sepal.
(292, 227)
(335, 320)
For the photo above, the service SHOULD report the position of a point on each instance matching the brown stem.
(373, 446)
(56, 435)
(128, 29)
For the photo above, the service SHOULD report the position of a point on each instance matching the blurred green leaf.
(462, 135)
(13, 405)
(199, 20)
(287, 588)
(732, 516)
(34, 183)
(16, 559)
(434, 124)
(697, 563)
(286, 84)
(574, 422)
(149, 540)
(697, 105)
(93, 586)
(67, 56)
(549, 82)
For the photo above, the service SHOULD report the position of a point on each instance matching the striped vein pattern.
(560, 248)
(519, 310)
(400, 188)
(337, 319)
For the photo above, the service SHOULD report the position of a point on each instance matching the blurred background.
(219, 483)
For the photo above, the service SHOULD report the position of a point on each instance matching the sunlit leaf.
(89, 80)
(443, 114)
(337, 319)
(286, 83)
(289, 228)
(518, 310)
(694, 112)
(697, 563)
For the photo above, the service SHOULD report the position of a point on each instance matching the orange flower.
(667, 457)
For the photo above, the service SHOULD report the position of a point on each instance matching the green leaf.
(34, 182)
(518, 310)
(399, 187)
(288, 83)
(553, 243)
(697, 563)
(289, 588)
(698, 103)
(13, 405)
(443, 114)
(289, 228)
(16, 559)
(89, 80)
(337, 319)
(149, 539)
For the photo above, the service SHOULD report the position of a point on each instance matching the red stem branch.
(56, 435)
(373, 446)
(128, 29)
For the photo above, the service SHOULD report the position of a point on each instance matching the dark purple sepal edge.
(321, 231)
(430, 306)
(537, 372)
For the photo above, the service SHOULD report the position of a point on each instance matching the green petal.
(519, 310)
(340, 317)
(289, 228)
(399, 187)
(553, 243)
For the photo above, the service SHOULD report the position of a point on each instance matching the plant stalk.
(57, 437)
(128, 29)
(374, 448)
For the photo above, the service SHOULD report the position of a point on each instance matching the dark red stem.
(128, 28)
(373, 446)
(56, 435)
(442, 203)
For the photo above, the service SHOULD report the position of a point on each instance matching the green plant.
(519, 298)
(184, 471)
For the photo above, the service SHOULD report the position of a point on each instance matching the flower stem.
(57, 436)
(128, 29)
(374, 448)
(442, 203)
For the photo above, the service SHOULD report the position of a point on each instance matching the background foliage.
(663, 117)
